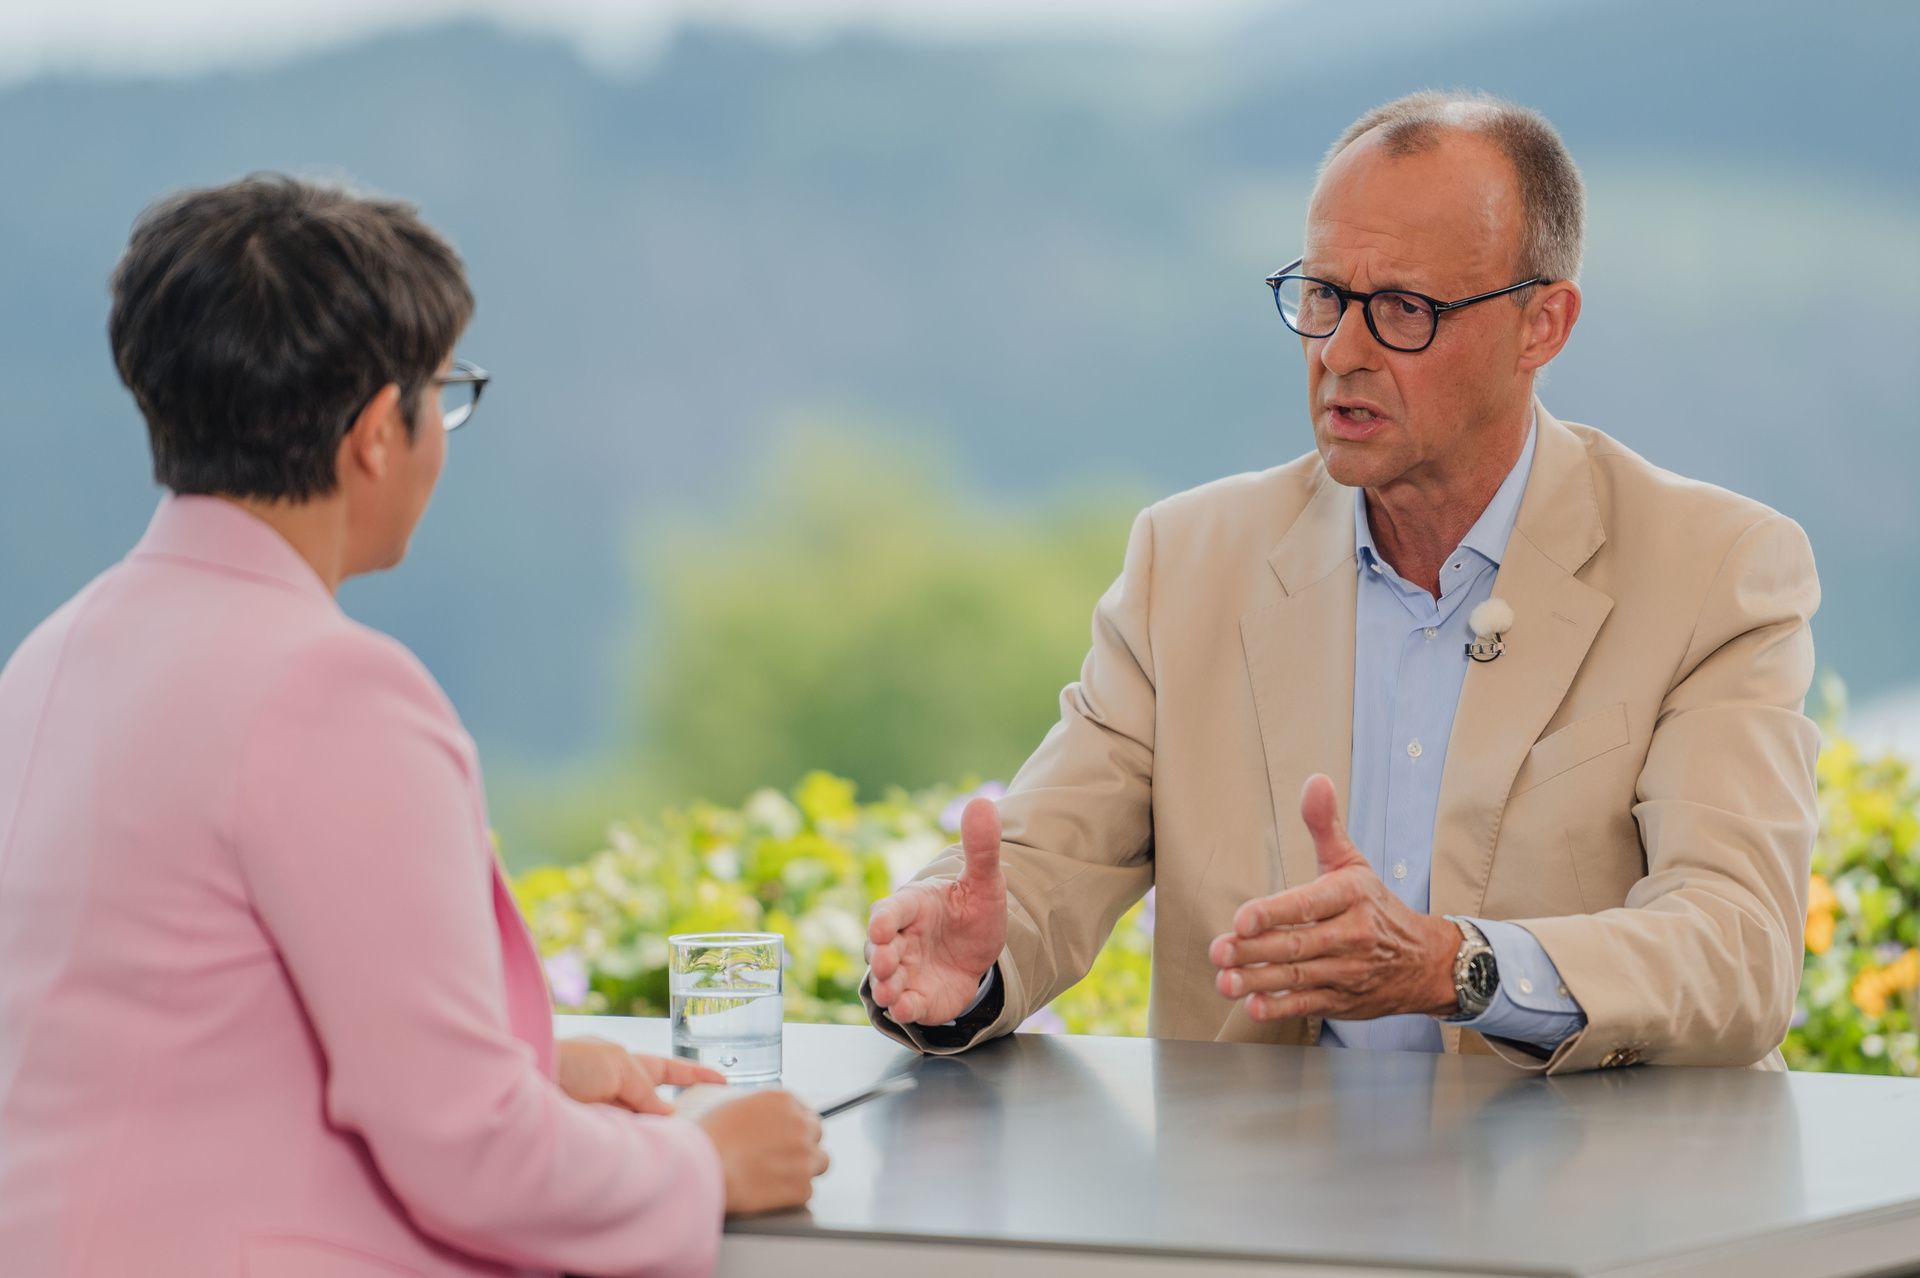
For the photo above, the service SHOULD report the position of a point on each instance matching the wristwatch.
(1476, 977)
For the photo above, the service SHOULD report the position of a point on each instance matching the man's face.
(1445, 222)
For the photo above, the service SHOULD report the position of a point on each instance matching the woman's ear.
(367, 449)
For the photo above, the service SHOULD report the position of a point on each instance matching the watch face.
(1483, 978)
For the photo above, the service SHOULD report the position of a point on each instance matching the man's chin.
(1356, 465)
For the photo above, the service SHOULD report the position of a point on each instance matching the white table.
(1082, 1156)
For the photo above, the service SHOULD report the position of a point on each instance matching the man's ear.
(368, 448)
(1550, 320)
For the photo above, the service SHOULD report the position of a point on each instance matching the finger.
(637, 1094)
(908, 1008)
(1276, 1007)
(884, 961)
(980, 840)
(883, 923)
(1279, 977)
(821, 1161)
(886, 993)
(1321, 899)
(678, 1072)
(1331, 937)
(1320, 809)
(892, 916)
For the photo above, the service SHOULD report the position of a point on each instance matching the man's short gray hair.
(1552, 197)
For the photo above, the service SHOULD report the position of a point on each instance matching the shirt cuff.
(1531, 1006)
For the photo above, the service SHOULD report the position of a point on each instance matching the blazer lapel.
(1299, 655)
(1506, 703)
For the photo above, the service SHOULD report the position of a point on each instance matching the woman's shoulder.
(348, 678)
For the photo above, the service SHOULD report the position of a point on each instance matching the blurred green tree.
(861, 614)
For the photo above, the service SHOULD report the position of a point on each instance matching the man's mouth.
(1353, 418)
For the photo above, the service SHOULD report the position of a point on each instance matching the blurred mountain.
(1044, 257)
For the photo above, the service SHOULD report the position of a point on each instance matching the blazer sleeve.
(1077, 821)
(1702, 964)
(359, 830)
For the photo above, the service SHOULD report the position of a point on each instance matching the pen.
(900, 1083)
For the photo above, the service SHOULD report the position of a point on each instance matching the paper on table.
(692, 1102)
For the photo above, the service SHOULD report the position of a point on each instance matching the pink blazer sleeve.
(359, 828)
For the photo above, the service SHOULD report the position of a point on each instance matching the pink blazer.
(266, 1007)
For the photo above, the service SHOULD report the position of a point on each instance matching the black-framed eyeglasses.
(1398, 318)
(460, 393)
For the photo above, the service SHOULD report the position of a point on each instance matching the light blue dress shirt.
(1409, 664)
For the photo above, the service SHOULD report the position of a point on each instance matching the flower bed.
(810, 864)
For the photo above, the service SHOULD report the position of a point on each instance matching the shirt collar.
(1490, 533)
(221, 534)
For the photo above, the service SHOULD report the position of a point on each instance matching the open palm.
(930, 943)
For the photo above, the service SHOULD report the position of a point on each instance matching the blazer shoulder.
(1257, 505)
(1636, 494)
(345, 667)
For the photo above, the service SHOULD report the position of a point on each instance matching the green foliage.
(861, 617)
(1860, 995)
(810, 865)
(807, 865)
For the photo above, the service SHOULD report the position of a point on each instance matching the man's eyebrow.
(1391, 286)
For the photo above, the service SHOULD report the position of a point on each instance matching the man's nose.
(1352, 347)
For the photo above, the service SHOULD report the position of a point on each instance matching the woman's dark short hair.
(253, 321)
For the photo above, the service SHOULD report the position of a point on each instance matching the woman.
(266, 1006)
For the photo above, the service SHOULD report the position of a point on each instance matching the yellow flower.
(1868, 996)
(1821, 903)
(1875, 985)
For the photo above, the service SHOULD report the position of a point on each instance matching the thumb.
(980, 840)
(1320, 809)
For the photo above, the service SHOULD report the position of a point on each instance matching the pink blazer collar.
(220, 534)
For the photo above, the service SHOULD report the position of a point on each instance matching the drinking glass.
(724, 990)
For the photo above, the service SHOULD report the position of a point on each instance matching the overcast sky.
(182, 37)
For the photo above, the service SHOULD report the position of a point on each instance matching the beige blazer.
(1632, 781)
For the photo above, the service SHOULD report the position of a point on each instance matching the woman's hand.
(596, 1072)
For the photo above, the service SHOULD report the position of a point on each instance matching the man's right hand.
(769, 1145)
(930, 943)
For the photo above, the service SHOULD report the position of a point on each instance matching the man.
(1560, 688)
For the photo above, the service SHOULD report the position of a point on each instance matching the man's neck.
(1417, 523)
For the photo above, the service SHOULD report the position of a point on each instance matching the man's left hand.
(1343, 945)
(596, 1072)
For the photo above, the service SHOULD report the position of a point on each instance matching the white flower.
(773, 812)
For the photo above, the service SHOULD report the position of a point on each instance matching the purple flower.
(1799, 1018)
(951, 814)
(1044, 1021)
(567, 978)
(1888, 951)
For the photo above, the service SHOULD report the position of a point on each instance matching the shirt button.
(1413, 749)
(1378, 568)
(1399, 869)
(1563, 992)
(1526, 986)
(1430, 632)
